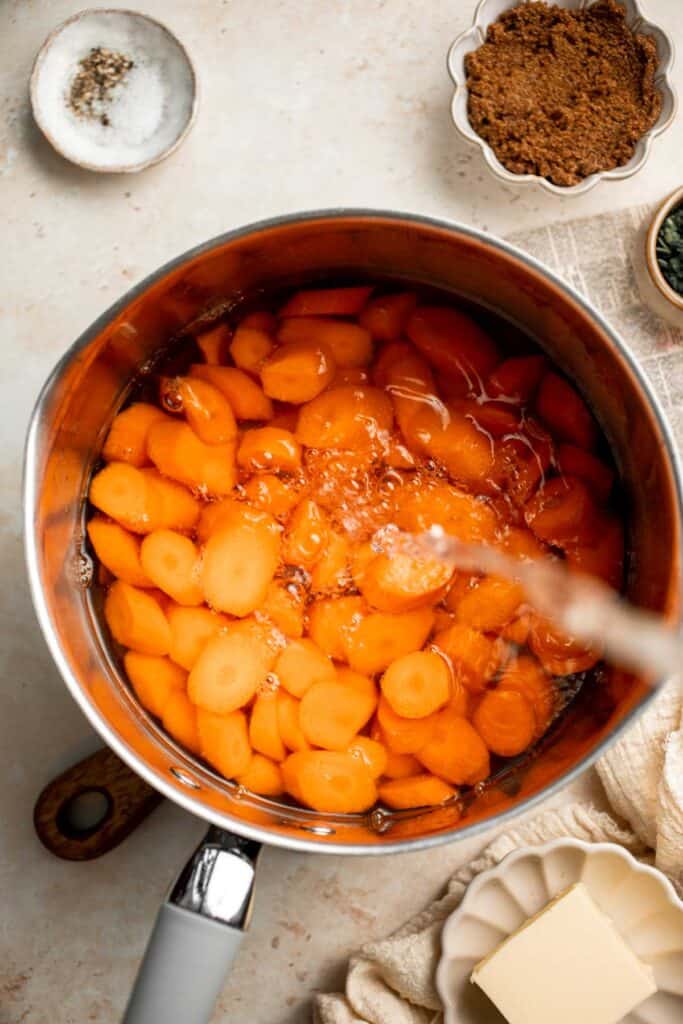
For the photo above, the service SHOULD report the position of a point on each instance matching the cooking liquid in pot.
(263, 624)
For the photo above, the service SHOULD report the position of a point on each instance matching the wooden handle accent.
(91, 807)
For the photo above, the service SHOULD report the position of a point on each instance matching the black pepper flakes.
(100, 72)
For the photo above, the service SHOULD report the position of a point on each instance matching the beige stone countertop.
(304, 104)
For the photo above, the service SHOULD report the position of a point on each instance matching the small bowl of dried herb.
(664, 256)
(113, 90)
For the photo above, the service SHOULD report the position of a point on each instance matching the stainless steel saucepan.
(198, 928)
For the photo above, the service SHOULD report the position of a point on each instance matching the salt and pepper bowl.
(151, 110)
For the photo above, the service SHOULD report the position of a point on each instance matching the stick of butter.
(567, 964)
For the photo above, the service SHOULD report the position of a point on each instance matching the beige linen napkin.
(391, 981)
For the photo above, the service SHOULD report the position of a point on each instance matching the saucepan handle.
(196, 935)
(92, 806)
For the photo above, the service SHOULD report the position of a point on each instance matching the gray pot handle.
(196, 935)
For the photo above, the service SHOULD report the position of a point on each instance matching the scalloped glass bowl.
(640, 900)
(487, 12)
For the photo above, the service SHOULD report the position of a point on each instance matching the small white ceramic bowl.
(640, 901)
(156, 103)
(489, 11)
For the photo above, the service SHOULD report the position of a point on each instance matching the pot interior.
(97, 374)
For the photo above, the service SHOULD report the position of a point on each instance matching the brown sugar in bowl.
(488, 12)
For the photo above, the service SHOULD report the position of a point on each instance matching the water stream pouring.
(581, 605)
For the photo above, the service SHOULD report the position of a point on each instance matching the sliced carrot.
(604, 558)
(127, 437)
(350, 375)
(525, 675)
(460, 514)
(396, 454)
(207, 410)
(454, 344)
(327, 302)
(400, 766)
(416, 791)
(239, 562)
(559, 654)
(250, 347)
(154, 679)
(298, 371)
(306, 535)
(495, 418)
(417, 684)
(263, 776)
(409, 381)
(171, 561)
(573, 461)
(331, 573)
(284, 606)
(191, 630)
(176, 451)
(455, 751)
(386, 316)
(125, 494)
(350, 344)
(442, 619)
(347, 417)
(288, 722)
(301, 665)
(286, 417)
(332, 713)
(118, 550)
(244, 394)
(461, 585)
(564, 413)
(332, 620)
(521, 543)
(517, 378)
(373, 754)
(461, 700)
(472, 655)
(262, 320)
(229, 670)
(224, 741)
(404, 735)
(136, 620)
(490, 604)
(331, 781)
(360, 683)
(269, 492)
(270, 448)
(377, 639)
(521, 462)
(180, 510)
(452, 439)
(399, 581)
(505, 721)
(563, 513)
(213, 344)
(517, 631)
(180, 721)
(264, 732)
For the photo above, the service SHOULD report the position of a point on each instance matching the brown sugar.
(563, 93)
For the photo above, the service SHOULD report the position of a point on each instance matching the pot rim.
(30, 489)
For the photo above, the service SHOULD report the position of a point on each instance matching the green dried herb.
(669, 249)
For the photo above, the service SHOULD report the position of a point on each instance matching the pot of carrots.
(212, 472)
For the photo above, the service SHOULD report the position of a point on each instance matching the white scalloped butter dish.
(489, 11)
(640, 901)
